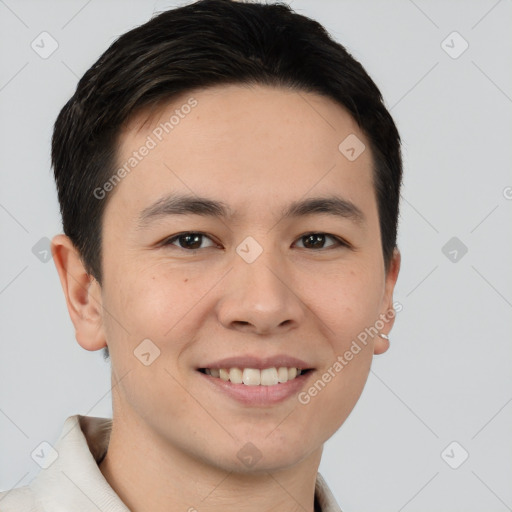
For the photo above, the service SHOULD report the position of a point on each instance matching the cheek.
(332, 395)
(156, 302)
(349, 302)
(156, 305)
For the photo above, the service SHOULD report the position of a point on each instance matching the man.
(229, 184)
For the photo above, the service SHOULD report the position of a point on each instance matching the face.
(217, 252)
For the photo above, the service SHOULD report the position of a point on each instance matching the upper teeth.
(255, 377)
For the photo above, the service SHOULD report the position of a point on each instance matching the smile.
(254, 376)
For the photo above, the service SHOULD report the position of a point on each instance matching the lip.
(263, 396)
(259, 363)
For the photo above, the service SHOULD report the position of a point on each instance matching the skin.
(174, 440)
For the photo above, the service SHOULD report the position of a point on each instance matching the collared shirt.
(72, 480)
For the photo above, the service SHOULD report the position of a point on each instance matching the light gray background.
(447, 376)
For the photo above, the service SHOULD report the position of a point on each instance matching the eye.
(318, 240)
(193, 240)
(190, 240)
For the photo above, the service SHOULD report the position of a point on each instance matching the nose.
(259, 298)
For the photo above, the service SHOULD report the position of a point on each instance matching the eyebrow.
(177, 204)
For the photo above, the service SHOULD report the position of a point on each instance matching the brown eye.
(189, 241)
(318, 241)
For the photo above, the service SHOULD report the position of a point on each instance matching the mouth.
(257, 387)
(256, 381)
(271, 376)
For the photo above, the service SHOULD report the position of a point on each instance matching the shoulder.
(21, 499)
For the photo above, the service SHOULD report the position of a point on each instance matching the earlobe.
(82, 292)
(388, 312)
(381, 345)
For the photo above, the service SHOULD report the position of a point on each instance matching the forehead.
(251, 146)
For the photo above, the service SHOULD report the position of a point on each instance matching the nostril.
(241, 322)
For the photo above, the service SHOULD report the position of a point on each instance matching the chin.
(262, 454)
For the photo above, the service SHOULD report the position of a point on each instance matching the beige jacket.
(72, 481)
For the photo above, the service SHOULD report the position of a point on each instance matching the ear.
(82, 292)
(388, 311)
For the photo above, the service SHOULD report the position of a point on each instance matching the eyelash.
(339, 242)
